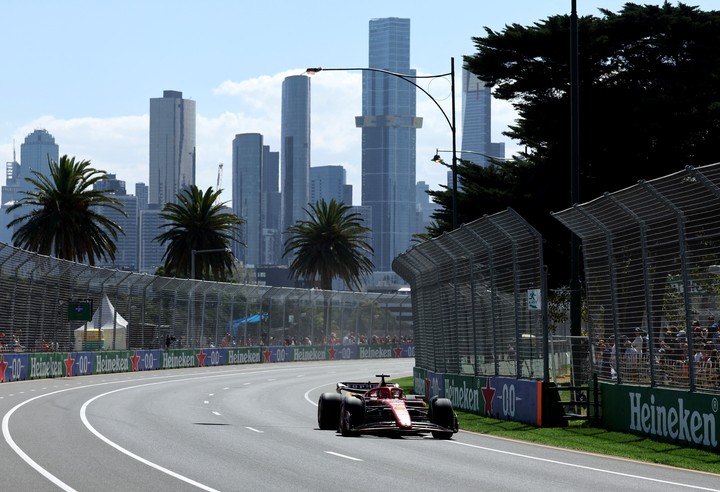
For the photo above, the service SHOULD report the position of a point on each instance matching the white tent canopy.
(112, 325)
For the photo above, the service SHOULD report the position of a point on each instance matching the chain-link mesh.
(652, 258)
(478, 299)
(143, 311)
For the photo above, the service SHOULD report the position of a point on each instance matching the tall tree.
(62, 218)
(198, 222)
(331, 243)
(649, 105)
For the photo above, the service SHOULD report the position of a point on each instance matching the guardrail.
(23, 366)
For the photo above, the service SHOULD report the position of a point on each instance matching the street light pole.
(575, 297)
(198, 251)
(449, 119)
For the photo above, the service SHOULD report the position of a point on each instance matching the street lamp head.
(313, 71)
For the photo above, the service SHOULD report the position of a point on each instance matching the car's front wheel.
(443, 415)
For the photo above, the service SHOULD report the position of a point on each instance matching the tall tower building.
(388, 125)
(141, 192)
(271, 240)
(476, 121)
(295, 148)
(247, 196)
(150, 252)
(329, 182)
(126, 255)
(38, 147)
(172, 146)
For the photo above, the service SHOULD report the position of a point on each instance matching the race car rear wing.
(353, 387)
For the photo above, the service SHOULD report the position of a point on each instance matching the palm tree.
(63, 219)
(330, 243)
(197, 222)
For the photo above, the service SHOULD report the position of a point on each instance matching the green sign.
(671, 415)
(79, 310)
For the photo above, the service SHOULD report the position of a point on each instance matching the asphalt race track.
(254, 427)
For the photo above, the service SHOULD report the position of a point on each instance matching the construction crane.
(219, 177)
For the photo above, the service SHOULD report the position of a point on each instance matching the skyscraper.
(295, 148)
(38, 147)
(150, 252)
(329, 182)
(172, 146)
(476, 135)
(247, 196)
(388, 125)
(271, 241)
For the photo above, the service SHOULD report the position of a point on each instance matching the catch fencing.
(478, 304)
(139, 311)
(652, 258)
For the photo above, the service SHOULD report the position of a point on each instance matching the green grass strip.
(581, 436)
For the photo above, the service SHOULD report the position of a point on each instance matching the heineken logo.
(674, 422)
(45, 368)
(111, 364)
(375, 353)
(175, 361)
(237, 357)
(462, 397)
(300, 353)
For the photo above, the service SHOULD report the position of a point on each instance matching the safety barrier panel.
(23, 366)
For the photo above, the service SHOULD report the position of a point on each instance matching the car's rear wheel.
(443, 415)
(352, 414)
(329, 411)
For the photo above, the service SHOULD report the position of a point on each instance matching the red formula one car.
(363, 408)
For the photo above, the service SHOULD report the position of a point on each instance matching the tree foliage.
(331, 243)
(649, 105)
(198, 222)
(63, 218)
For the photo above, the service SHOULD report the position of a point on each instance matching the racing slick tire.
(329, 411)
(442, 414)
(352, 414)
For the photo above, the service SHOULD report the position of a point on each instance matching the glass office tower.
(295, 149)
(388, 125)
(172, 146)
(247, 196)
(38, 147)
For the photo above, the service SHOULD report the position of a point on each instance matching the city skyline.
(93, 96)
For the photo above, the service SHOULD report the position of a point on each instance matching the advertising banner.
(176, 359)
(342, 352)
(302, 353)
(111, 362)
(419, 375)
(465, 393)
(246, 355)
(377, 352)
(79, 363)
(671, 415)
(147, 360)
(435, 385)
(13, 367)
(514, 399)
(46, 365)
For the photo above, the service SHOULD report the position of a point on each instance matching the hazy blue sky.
(86, 69)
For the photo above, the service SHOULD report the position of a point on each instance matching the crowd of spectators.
(676, 348)
(348, 339)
